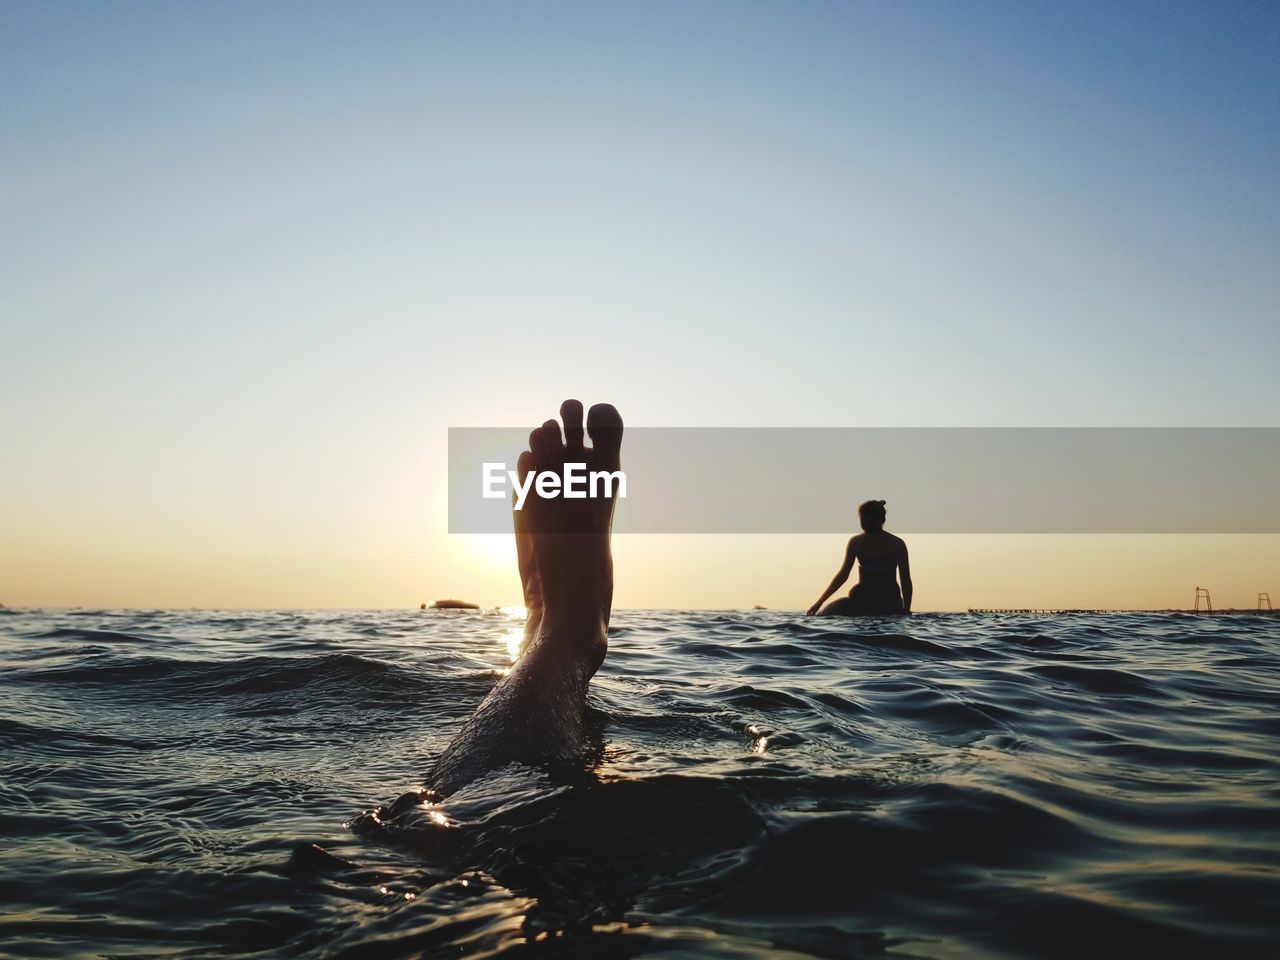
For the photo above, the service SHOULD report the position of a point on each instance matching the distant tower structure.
(1264, 601)
(1203, 592)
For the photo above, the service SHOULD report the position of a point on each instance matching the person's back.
(879, 555)
(882, 559)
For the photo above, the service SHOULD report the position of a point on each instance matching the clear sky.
(255, 259)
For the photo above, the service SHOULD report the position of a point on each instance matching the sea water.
(759, 784)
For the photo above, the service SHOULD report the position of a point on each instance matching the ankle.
(585, 620)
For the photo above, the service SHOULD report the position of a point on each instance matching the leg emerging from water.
(536, 712)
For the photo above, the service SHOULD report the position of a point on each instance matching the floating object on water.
(1202, 594)
(454, 605)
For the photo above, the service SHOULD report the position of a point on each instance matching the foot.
(535, 713)
(562, 544)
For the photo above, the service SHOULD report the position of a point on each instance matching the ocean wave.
(1025, 786)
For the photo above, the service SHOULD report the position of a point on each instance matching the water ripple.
(177, 783)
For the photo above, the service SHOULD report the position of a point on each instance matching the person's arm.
(850, 554)
(904, 575)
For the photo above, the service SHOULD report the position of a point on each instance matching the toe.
(552, 452)
(526, 463)
(534, 455)
(571, 414)
(604, 425)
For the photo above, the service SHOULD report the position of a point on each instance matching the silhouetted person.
(882, 561)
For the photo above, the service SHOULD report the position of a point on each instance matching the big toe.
(604, 426)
